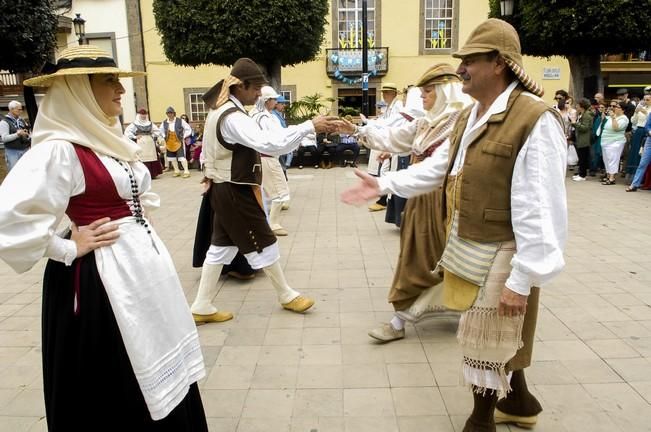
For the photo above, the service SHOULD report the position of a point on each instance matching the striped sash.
(470, 260)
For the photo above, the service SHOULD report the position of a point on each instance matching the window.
(439, 25)
(287, 94)
(349, 23)
(198, 111)
(105, 41)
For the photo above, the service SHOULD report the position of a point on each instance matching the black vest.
(245, 163)
(18, 143)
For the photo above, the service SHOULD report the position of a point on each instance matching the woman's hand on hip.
(98, 234)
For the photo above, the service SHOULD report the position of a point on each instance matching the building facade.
(405, 38)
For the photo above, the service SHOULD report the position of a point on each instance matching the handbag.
(572, 156)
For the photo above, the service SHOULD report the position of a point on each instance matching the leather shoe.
(238, 275)
(219, 316)
(299, 304)
(520, 421)
(386, 333)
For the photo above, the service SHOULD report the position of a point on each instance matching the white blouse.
(137, 271)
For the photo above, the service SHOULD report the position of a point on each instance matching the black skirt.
(89, 383)
(396, 204)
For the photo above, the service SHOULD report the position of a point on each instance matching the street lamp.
(80, 28)
(506, 7)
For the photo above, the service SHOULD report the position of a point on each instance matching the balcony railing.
(10, 84)
(349, 61)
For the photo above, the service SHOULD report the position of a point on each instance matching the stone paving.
(271, 370)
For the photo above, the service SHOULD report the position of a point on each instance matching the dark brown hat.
(244, 69)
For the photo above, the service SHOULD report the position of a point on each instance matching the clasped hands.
(333, 124)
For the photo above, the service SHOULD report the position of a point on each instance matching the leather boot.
(482, 417)
(519, 407)
(202, 308)
(288, 298)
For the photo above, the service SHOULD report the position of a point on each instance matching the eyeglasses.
(615, 106)
(558, 98)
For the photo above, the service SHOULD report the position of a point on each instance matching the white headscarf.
(439, 121)
(69, 112)
(413, 104)
(449, 99)
(142, 120)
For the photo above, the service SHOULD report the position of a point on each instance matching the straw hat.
(497, 35)
(80, 60)
(389, 86)
(438, 74)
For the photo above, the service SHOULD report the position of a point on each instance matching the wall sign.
(552, 73)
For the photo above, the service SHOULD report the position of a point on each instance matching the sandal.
(631, 189)
(608, 182)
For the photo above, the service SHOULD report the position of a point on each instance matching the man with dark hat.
(506, 211)
(175, 130)
(232, 145)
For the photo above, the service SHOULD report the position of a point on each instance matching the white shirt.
(538, 199)
(240, 128)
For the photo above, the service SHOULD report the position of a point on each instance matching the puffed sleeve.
(33, 200)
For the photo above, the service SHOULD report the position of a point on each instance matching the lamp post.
(365, 110)
(80, 28)
(506, 7)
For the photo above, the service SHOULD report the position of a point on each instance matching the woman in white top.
(614, 123)
(639, 135)
(275, 189)
(120, 349)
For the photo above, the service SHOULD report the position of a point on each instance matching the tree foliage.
(198, 32)
(28, 29)
(579, 27)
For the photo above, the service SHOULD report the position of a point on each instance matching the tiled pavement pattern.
(271, 370)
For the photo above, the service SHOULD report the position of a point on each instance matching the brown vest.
(485, 208)
(246, 167)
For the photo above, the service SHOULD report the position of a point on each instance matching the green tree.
(580, 30)
(274, 33)
(28, 29)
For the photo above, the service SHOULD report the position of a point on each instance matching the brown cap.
(437, 74)
(244, 69)
(497, 35)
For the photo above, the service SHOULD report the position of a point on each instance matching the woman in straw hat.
(120, 349)
(421, 235)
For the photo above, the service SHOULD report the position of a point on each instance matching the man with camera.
(14, 134)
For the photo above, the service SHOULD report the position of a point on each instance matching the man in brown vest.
(506, 214)
(232, 145)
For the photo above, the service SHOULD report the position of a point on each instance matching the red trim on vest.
(101, 198)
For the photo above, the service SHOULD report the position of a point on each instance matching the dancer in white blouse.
(120, 348)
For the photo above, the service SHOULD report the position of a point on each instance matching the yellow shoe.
(299, 304)
(376, 207)
(176, 174)
(280, 232)
(186, 175)
(523, 422)
(216, 317)
(285, 206)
